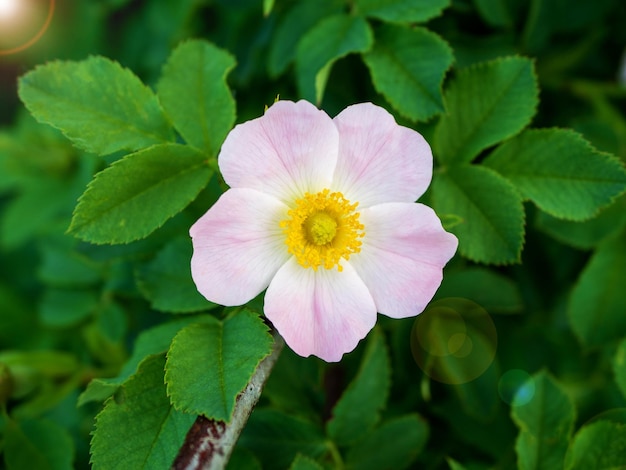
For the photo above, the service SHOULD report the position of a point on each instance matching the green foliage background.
(108, 353)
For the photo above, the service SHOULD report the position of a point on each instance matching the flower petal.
(402, 257)
(379, 160)
(238, 246)
(290, 150)
(323, 312)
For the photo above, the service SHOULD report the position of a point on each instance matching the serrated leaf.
(559, 171)
(619, 367)
(39, 444)
(401, 11)
(478, 115)
(302, 16)
(395, 444)
(166, 280)
(302, 462)
(139, 428)
(194, 93)
(331, 39)
(358, 409)
(407, 67)
(99, 105)
(208, 365)
(491, 290)
(492, 214)
(276, 438)
(151, 341)
(596, 304)
(590, 233)
(546, 423)
(137, 194)
(599, 445)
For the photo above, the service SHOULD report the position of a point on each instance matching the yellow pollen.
(321, 229)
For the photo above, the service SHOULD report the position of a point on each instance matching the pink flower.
(321, 213)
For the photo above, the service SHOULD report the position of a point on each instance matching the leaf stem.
(209, 443)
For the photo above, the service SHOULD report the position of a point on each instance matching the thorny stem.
(209, 443)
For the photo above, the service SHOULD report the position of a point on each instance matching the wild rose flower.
(321, 212)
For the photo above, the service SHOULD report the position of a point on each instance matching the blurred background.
(84, 305)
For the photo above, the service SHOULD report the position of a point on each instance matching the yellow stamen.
(322, 229)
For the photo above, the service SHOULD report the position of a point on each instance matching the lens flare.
(8, 8)
(23, 23)
(454, 341)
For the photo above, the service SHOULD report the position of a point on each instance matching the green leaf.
(67, 307)
(596, 446)
(166, 280)
(596, 304)
(492, 214)
(619, 367)
(139, 428)
(395, 444)
(486, 103)
(194, 93)
(63, 266)
(208, 365)
(298, 20)
(495, 12)
(491, 290)
(243, 458)
(99, 105)
(587, 234)
(302, 462)
(276, 438)
(454, 465)
(401, 11)
(267, 7)
(407, 67)
(155, 340)
(546, 423)
(478, 397)
(331, 39)
(560, 171)
(47, 198)
(39, 444)
(137, 194)
(454, 341)
(358, 409)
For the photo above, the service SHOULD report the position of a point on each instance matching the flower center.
(322, 229)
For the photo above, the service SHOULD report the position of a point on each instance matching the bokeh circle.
(454, 341)
(516, 387)
(23, 23)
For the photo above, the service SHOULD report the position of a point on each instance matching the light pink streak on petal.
(238, 246)
(379, 160)
(324, 312)
(404, 251)
(290, 150)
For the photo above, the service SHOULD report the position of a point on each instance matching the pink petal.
(380, 161)
(238, 246)
(290, 150)
(404, 251)
(323, 312)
